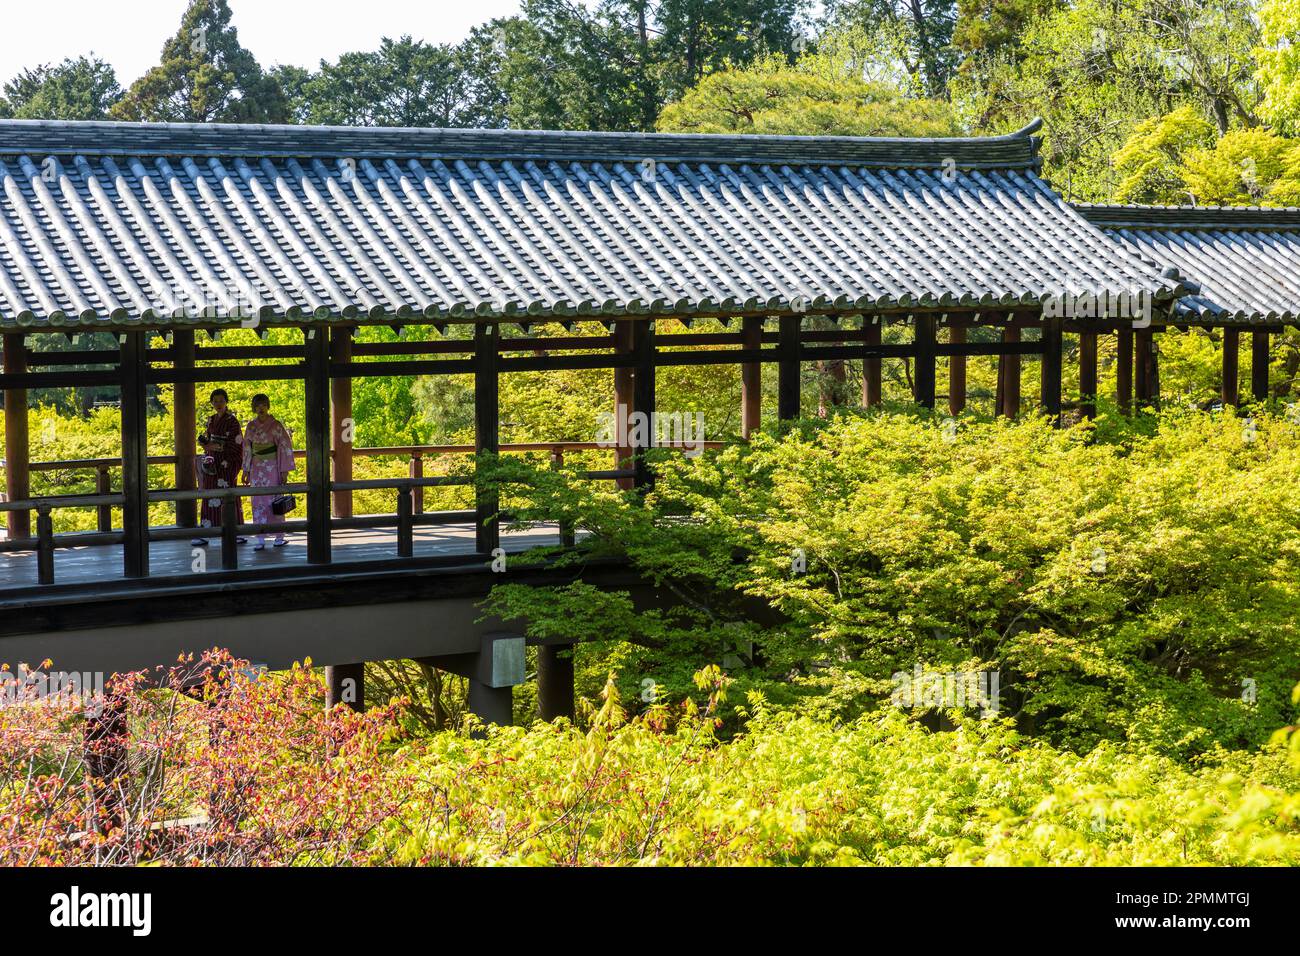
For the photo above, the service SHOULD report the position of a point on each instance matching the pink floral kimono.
(268, 459)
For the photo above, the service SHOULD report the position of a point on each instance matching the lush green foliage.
(1126, 586)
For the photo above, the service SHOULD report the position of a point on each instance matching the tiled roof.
(118, 223)
(1246, 259)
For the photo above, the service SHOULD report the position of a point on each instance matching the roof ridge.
(1138, 215)
(93, 137)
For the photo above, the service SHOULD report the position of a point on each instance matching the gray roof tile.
(118, 223)
(1246, 259)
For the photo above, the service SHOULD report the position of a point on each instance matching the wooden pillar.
(487, 428)
(18, 486)
(555, 681)
(317, 391)
(751, 377)
(1231, 367)
(871, 363)
(643, 392)
(133, 363)
(956, 372)
(1088, 374)
(184, 427)
(1142, 366)
(1009, 376)
(787, 369)
(1259, 360)
(624, 396)
(341, 416)
(1124, 369)
(1050, 370)
(346, 684)
(923, 378)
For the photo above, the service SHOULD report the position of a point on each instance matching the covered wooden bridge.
(465, 242)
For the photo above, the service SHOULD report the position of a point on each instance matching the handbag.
(283, 504)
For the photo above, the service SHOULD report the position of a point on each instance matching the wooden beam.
(871, 380)
(1124, 369)
(135, 456)
(1088, 374)
(317, 392)
(18, 485)
(341, 417)
(751, 378)
(1231, 367)
(956, 372)
(487, 431)
(624, 394)
(788, 401)
(643, 389)
(1050, 369)
(1009, 375)
(1259, 361)
(184, 427)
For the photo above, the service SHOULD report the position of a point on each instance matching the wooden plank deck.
(104, 563)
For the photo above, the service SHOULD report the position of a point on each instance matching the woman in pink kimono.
(268, 459)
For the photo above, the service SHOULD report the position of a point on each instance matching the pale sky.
(298, 32)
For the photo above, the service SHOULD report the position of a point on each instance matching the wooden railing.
(408, 513)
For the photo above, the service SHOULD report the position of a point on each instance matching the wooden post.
(788, 402)
(1009, 375)
(405, 529)
(44, 545)
(923, 378)
(1259, 359)
(230, 532)
(317, 392)
(18, 482)
(487, 426)
(133, 364)
(956, 372)
(341, 416)
(1142, 366)
(1088, 374)
(751, 378)
(416, 470)
(624, 394)
(184, 427)
(643, 392)
(1231, 367)
(1050, 371)
(871, 363)
(555, 681)
(346, 684)
(1124, 369)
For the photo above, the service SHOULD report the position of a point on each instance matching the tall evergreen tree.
(205, 77)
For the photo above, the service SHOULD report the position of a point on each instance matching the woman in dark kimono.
(219, 465)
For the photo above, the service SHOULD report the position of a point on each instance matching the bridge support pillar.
(555, 681)
(492, 670)
(346, 684)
